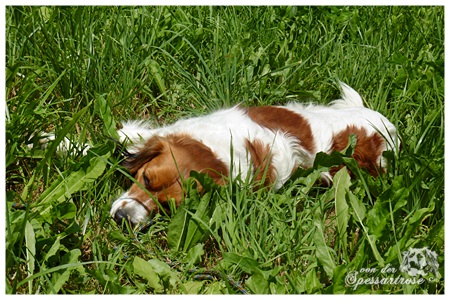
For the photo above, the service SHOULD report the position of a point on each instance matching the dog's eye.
(146, 181)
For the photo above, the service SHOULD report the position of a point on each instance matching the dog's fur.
(271, 142)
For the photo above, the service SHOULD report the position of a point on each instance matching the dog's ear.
(152, 148)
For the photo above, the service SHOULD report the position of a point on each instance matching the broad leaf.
(324, 253)
(30, 241)
(341, 183)
(59, 279)
(146, 271)
(194, 255)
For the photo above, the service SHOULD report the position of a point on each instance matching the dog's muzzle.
(129, 209)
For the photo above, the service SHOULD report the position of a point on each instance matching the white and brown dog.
(271, 142)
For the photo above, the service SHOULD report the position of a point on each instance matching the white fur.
(66, 146)
(136, 211)
(224, 130)
(350, 98)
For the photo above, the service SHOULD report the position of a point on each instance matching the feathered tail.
(350, 98)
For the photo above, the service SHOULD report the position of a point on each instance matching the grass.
(80, 71)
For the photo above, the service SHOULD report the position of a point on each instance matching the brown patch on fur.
(263, 170)
(279, 118)
(367, 152)
(163, 162)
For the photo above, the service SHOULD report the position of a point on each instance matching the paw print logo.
(419, 261)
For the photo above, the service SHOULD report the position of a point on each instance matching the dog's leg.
(66, 146)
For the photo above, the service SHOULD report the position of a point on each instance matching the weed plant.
(81, 71)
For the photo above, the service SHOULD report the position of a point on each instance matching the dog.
(270, 142)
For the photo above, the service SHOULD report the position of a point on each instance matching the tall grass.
(80, 71)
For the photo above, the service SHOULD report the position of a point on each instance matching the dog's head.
(159, 167)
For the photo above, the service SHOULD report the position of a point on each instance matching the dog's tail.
(350, 98)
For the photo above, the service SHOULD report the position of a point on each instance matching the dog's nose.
(120, 215)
